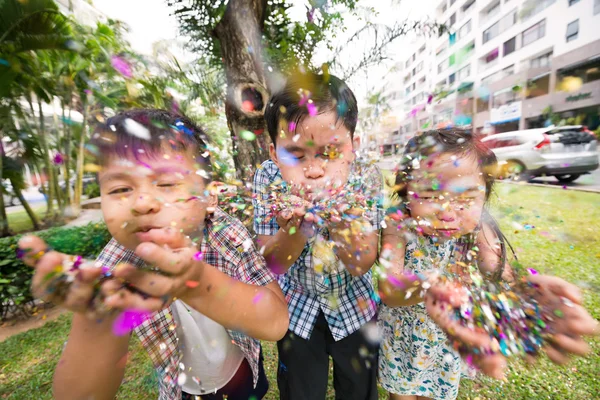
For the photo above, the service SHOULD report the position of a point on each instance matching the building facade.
(505, 65)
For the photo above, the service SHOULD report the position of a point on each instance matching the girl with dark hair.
(440, 228)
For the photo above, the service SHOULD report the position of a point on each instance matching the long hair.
(459, 142)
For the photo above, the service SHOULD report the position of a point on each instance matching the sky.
(151, 20)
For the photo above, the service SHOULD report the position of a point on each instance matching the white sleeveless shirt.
(210, 359)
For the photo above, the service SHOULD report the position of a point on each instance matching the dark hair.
(148, 131)
(460, 142)
(327, 93)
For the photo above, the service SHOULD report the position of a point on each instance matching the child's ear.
(212, 200)
(273, 154)
(356, 142)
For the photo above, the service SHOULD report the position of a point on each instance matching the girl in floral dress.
(443, 184)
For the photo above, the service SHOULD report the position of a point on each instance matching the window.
(572, 30)
(464, 30)
(491, 32)
(414, 86)
(451, 79)
(452, 2)
(407, 63)
(467, 5)
(493, 10)
(442, 66)
(420, 67)
(483, 103)
(423, 122)
(541, 61)
(422, 49)
(407, 91)
(588, 71)
(510, 70)
(508, 20)
(571, 2)
(535, 7)
(510, 46)
(414, 71)
(452, 20)
(534, 33)
(538, 86)
(440, 50)
(505, 96)
(452, 60)
(464, 73)
(596, 7)
(491, 78)
(414, 56)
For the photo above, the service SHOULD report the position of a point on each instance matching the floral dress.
(415, 357)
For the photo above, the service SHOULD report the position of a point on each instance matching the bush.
(15, 277)
(92, 190)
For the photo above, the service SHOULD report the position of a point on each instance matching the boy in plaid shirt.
(322, 249)
(211, 294)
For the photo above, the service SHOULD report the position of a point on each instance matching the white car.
(565, 152)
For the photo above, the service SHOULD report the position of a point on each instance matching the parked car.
(565, 152)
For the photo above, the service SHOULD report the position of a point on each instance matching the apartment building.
(505, 65)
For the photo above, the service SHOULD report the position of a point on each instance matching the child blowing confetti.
(321, 238)
(209, 293)
(442, 233)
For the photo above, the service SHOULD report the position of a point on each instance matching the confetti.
(136, 129)
(247, 135)
(121, 66)
(128, 320)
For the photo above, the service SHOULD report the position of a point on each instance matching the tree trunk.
(47, 162)
(67, 155)
(4, 231)
(32, 216)
(60, 197)
(80, 159)
(43, 185)
(239, 34)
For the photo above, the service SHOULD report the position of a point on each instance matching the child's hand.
(440, 301)
(179, 262)
(571, 321)
(294, 218)
(65, 280)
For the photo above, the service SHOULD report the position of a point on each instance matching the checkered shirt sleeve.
(264, 177)
(227, 245)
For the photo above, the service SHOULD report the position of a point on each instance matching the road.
(591, 181)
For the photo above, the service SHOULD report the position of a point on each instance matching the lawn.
(553, 230)
(19, 221)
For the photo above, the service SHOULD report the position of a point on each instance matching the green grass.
(564, 242)
(20, 222)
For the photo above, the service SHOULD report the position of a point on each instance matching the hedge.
(15, 277)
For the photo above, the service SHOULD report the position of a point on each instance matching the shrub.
(15, 277)
(92, 190)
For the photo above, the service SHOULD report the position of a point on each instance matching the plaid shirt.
(347, 302)
(225, 246)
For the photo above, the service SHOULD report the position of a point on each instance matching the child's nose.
(314, 170)
(145, 203)
(446, 215)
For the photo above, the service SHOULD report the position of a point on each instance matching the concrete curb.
(576, 188)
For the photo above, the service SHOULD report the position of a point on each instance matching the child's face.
(317, 155)
(447, 195)
(141, 195)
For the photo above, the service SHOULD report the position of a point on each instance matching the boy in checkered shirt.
(209, 290)
(317, 218)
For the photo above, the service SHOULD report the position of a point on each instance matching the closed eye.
(121, 190)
